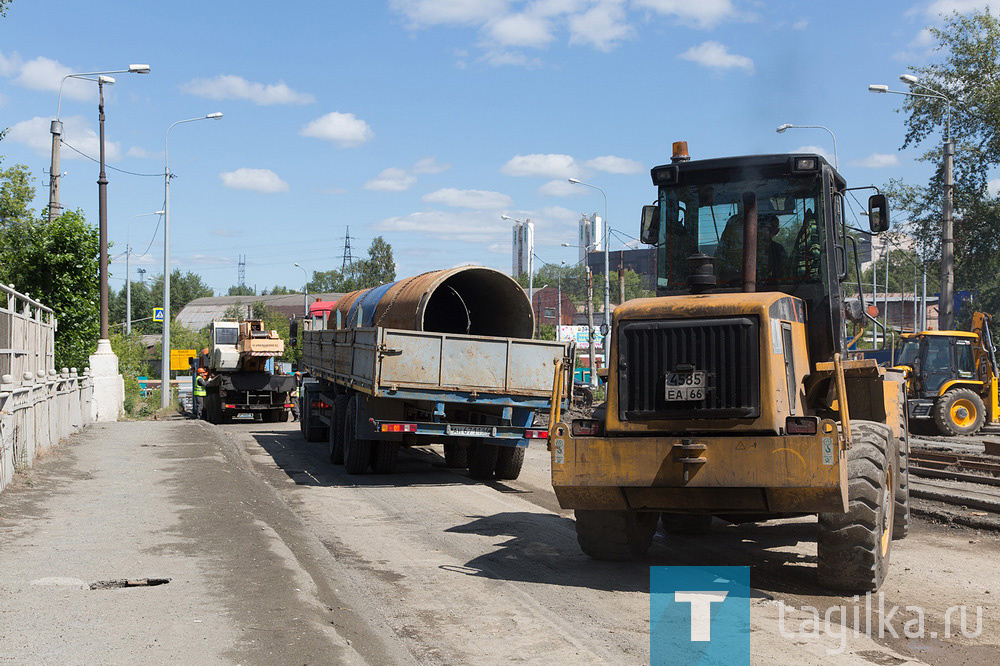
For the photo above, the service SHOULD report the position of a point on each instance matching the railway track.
(955, 473)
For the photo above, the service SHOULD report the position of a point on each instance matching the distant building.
(591, 237)
(522, 247)
(200, 312)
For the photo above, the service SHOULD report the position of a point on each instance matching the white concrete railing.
(38, 406)
(37, 412)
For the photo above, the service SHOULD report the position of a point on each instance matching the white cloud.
(255, 180)
(700, 13)
(35, 134)
(553, 225)
(817, 150)
(226, 86)
(475, 199)
(521, 30)
(877, 161)
(603, 26)
(46, 74)
(612, 164)
(141, 153)
(946, 7)
(344, 129)
(800, 25)
(542, 165)
(438, 12)
(429, 165)
(560, 188)
(9, 65)
(716, 56)
(993, 187)
(392, 179)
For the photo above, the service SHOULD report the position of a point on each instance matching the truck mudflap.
(502, 435)
(725, 474)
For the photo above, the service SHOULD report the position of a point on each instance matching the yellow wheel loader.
(951, 377)
(731, 392)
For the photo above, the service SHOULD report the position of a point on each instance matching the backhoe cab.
(951, 377)
(730, 393)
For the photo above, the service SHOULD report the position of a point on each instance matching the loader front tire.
(853, 547)
(959, 412)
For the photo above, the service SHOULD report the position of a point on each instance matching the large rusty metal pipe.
(749, 242)
(472, 300)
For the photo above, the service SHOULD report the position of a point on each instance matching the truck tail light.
(289, 405)
(586, 428)
(536, 434)
(398, 427)
(230, 406)
(801, 425)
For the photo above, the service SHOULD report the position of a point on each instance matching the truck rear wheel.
(509, 462)
(853, 548)
(311, 425)
(384, 456)
(482, 459)
(615, 535)
(283, 415)
(959, 412)
(336, 438)
(456, 453)
(357, 452)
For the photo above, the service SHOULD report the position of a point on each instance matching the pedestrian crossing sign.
(158, 315)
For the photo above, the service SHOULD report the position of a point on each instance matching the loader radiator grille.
(726, 350)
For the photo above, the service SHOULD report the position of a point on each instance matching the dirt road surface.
(282, 557)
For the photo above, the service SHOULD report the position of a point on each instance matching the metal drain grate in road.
(128, 582)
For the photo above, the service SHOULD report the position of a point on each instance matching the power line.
(131, 173)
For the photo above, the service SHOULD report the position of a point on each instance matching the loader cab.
(757, 223)
(934, 358)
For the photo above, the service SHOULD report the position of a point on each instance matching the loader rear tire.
(357, 452)
(510, 459)
(959, 412)
(686, 523)
(615, 535)
(853, 547)
(482, 459)
(901, 507)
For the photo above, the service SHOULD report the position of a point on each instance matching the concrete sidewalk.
(159, 499)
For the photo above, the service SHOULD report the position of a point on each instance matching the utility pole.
(590, 327)
(621, 278)
(946, 304)
(54, 172)
(923, 302)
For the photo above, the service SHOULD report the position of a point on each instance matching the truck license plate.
(685, 386)
(469, 431)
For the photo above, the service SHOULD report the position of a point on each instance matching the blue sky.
(424, 121)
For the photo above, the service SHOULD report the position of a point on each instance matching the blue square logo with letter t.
(699, 615)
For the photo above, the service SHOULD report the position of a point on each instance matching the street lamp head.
(575, 181)
(106, 80)
(875, 88)
(214, 116)
(504, 217)
(138, 69)
(908, 79)
(159, 212)
(566, 245)
(782, 128)
(296, 265)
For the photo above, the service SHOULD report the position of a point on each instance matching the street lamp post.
(946, 303)
(128, 274)
(56, 129)
(606, 326)
(787, 126)
(305, 291)
(165, 360)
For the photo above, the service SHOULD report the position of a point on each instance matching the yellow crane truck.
(731, 392)
(952, 377)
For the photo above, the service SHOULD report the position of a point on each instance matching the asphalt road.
(276, 556)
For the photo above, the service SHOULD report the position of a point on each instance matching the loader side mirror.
(293, 333)
(878, 213)
(649, 228)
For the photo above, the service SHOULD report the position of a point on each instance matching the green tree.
(57, 263)
(16, 194)
(968, 72)
(237, 290)
(279, 290)
(184, 288)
